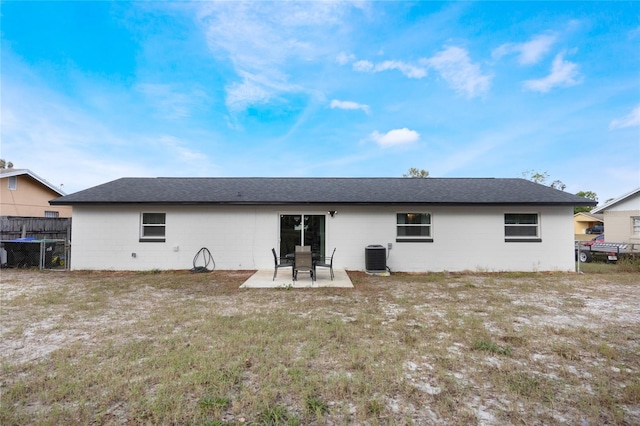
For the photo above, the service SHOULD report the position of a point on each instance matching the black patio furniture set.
(303, 260)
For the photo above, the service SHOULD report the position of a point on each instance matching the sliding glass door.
(302, 230)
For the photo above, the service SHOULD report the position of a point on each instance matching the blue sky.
(95, 91)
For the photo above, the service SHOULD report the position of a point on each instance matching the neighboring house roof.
(5, 173)
(589, 217)
(263, 191)
(616, 201)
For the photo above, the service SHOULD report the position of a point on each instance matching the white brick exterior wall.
(241, 237)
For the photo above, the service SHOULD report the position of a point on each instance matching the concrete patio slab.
(264, 279)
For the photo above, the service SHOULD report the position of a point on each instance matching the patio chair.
(303, 262)
(327, 263)
(280, 263)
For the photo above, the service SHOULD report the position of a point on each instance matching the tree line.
(541, 178)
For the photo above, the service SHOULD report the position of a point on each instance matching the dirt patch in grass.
(176, 347)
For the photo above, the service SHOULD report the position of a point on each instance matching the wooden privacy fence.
(41, 228)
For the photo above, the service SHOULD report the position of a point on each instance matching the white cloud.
(90, 147)
(242, 94)
(529, 52)
(395, 137)
(502, 50)
(180, 151)
(563, 74)
(453, 64)
(77, 138)
(630, 120)
(459, 72)
(363, 66)
(171, 102)
(532, 51)
(349, 105)
(263, 38)
(256, 89)
(344, 58)
(408, 70)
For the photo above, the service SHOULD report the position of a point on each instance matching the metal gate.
(33, 253)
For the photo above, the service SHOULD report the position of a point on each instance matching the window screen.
(153, 226)
(521, 226)
(413, 226)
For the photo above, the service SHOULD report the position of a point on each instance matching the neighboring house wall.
(619, 226)
(619, 221)
(29, 198)
(241, 237)
(582, 222)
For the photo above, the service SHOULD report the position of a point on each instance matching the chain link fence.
(32, 253)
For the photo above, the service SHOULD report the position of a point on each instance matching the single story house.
(422, 224)
(584, 223)
(622, 218)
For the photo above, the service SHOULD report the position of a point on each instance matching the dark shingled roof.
(264, 191)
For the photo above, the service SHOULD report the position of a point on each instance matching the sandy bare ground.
(39, 317)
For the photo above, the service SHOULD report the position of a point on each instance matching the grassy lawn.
(602, 267)
(181, 348)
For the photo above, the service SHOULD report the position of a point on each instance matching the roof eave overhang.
(296, 203)
(41, 181)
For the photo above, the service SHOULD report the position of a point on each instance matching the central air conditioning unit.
(375, 258)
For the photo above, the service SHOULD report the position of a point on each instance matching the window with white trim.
(13, 183)
(49, 213)
(635, 225)
(413, 227)
(153, 227)
(521, 227)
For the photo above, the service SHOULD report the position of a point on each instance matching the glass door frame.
(302, 228)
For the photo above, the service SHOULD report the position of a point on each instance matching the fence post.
(67, 250)
(579, 246)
